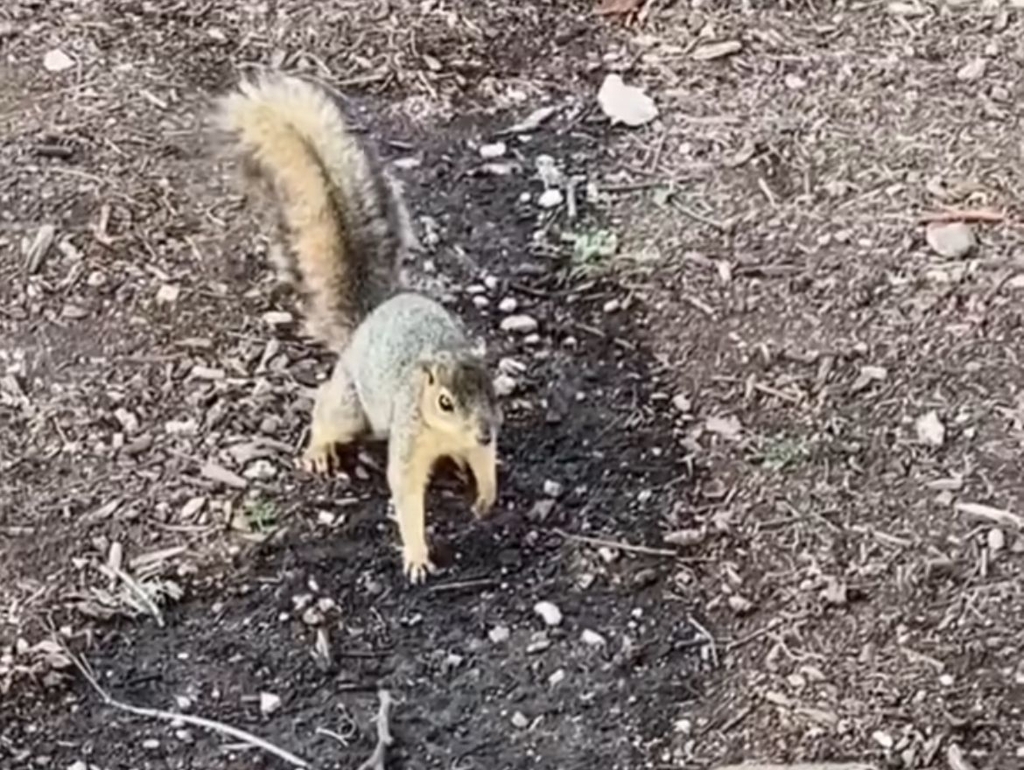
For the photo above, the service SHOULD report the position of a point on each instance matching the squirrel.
(407, 371)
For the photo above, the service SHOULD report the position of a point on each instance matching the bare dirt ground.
(749, 362)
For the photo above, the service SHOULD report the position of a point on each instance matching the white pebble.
(269, 703)
(499, 634)
(552, 488)
(550, 198)
(591, 638)
(481, 301)
(151, 744)
(492, 151)
(557, 677)
(491, 283)
(522, 324)
(548, 612)
(883, 739)
(611, 306)
(476, 288)
(277, 318)
(996, 540)
(508, 305)
(504, 385)
(519, 720)
(260, 469)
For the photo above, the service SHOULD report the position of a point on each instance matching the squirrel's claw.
(417, 564)
(319, 460)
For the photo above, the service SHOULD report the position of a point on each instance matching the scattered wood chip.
(617, 7)
(964, 215)
(532, 121)
(801, 766)
(988, 513)
(625, 104)
(37, 251)
(216, 472)
(973, 70)
(956, 759)
(710, 51)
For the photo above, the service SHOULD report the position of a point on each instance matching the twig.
(171, 716)
(988, 513)
(696, 215)
(384, 738)
(616, 544)
(736, 643)
(708, 637)
(963, 215)
(460, 584)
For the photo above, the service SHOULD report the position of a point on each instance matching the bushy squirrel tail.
(341, 217)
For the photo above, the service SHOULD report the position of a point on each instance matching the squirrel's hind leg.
(338, 419)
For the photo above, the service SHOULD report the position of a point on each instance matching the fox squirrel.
(407, 371)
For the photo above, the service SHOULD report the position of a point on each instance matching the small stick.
(460, 584)
(384, 738)
(707, 636)
(963, 215)
(615, 544)
(171, 716)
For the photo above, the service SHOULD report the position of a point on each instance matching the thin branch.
(384, 738)
(172, 716)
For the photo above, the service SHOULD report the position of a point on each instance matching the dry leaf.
(625, 104)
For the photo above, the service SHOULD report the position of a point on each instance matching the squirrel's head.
(458, 398)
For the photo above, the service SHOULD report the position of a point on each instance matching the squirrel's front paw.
(320, 459)
(416, 563)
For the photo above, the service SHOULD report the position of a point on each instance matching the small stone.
(930, 429)
(710, 51)
(312, 616)
(278, 318)
(996, 541)
(551, 615)
(592, 638)
(185, 736)
(538, 643)
(973, 70)
(951, 240)
(481, 302)
(151, 744)
(946, 680)
(682, 403)
(183, 702)
(520, 721)
(492, 151)
(260, 469)
(557, 677)
(550, 198)
(552, 488)
(608, 555)
(490, 282)
(740, 605)
(508, 305)
(883, 739)
(499, 634)
(611, 306)
(269, 703)
(168, 293)
(57, 61)
(522, 324)
(794, 82)
(504, 385)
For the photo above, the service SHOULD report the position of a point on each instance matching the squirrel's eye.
(445, 403)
